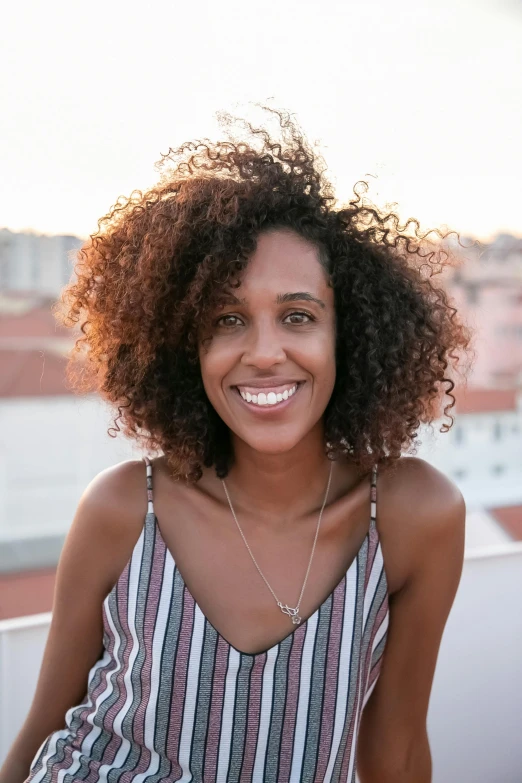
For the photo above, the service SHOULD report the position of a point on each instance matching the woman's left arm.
(393, 743)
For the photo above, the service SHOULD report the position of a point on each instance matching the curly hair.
(152, 274)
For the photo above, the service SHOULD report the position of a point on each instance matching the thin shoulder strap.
(373, 497)
(150, 503)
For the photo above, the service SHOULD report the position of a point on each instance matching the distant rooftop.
(479, 400)
(33, 347)
(510, 517)
(32, 373)
(28, 315)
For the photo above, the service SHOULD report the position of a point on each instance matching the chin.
(271, 445)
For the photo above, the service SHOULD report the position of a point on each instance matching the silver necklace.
(291, 611)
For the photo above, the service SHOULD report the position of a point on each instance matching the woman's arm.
(393, 744)
(106, 526)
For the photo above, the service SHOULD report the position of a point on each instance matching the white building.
(50, 449)
(36, 263)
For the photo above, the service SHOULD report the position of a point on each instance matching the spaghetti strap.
(150, 503)
(373, 498)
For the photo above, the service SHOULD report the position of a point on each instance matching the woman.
(225, 611)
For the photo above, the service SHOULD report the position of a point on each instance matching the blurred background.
(421, 100)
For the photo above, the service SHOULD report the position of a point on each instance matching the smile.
(268, 397)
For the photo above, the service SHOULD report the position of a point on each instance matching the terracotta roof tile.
(510, 518)
(37, 321)
(32, 373)
(476, 400)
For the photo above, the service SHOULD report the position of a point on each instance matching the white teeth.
(270, 398)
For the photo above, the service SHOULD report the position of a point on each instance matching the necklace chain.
(292, 612)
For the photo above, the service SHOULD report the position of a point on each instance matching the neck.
(274, 485)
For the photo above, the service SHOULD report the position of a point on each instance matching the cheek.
(214, 366)
(320, 358)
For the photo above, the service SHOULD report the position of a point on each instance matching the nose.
(264, 348)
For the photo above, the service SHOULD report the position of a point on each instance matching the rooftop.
(483, 400)
(510, 518)
(32, 373)
(33, 348)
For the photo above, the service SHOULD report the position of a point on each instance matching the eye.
(299, 317)
(228, 321)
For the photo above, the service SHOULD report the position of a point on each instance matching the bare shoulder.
(118, 488)
(420, 510)
(110, 516)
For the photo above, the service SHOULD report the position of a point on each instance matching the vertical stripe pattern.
(171, 700)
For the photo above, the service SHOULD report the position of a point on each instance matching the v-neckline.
(303, 625)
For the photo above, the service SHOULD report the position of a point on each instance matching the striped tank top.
(171, 700)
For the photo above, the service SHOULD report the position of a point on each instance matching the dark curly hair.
(148, 279)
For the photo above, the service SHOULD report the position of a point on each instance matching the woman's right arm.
(99, 544)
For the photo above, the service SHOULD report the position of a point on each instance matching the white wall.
(50, 448)
(476, 704)
(22, 643)
(477, 452)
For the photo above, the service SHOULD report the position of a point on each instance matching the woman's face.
(269, 368)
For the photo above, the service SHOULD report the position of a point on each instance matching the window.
(460, 473)
(497, 430)
(472, 293)
(498, 469)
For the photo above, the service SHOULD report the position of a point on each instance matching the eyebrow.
(297, 296)
(300, 296)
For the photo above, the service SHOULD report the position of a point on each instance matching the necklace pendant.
(291, 612)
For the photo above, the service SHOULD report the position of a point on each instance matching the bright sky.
(426, 97)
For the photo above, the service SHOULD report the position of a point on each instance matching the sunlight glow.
(425, 100)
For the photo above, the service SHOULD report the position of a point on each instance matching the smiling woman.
(236, 608)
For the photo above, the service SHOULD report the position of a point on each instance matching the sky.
(423, 99)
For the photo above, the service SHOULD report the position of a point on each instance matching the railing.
(476, 705)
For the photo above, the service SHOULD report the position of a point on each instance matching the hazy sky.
(426, 97)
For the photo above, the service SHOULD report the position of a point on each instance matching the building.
(35, 262)
(482, 452)
(487, 290)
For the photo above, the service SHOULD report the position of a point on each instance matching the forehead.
(284, 262)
